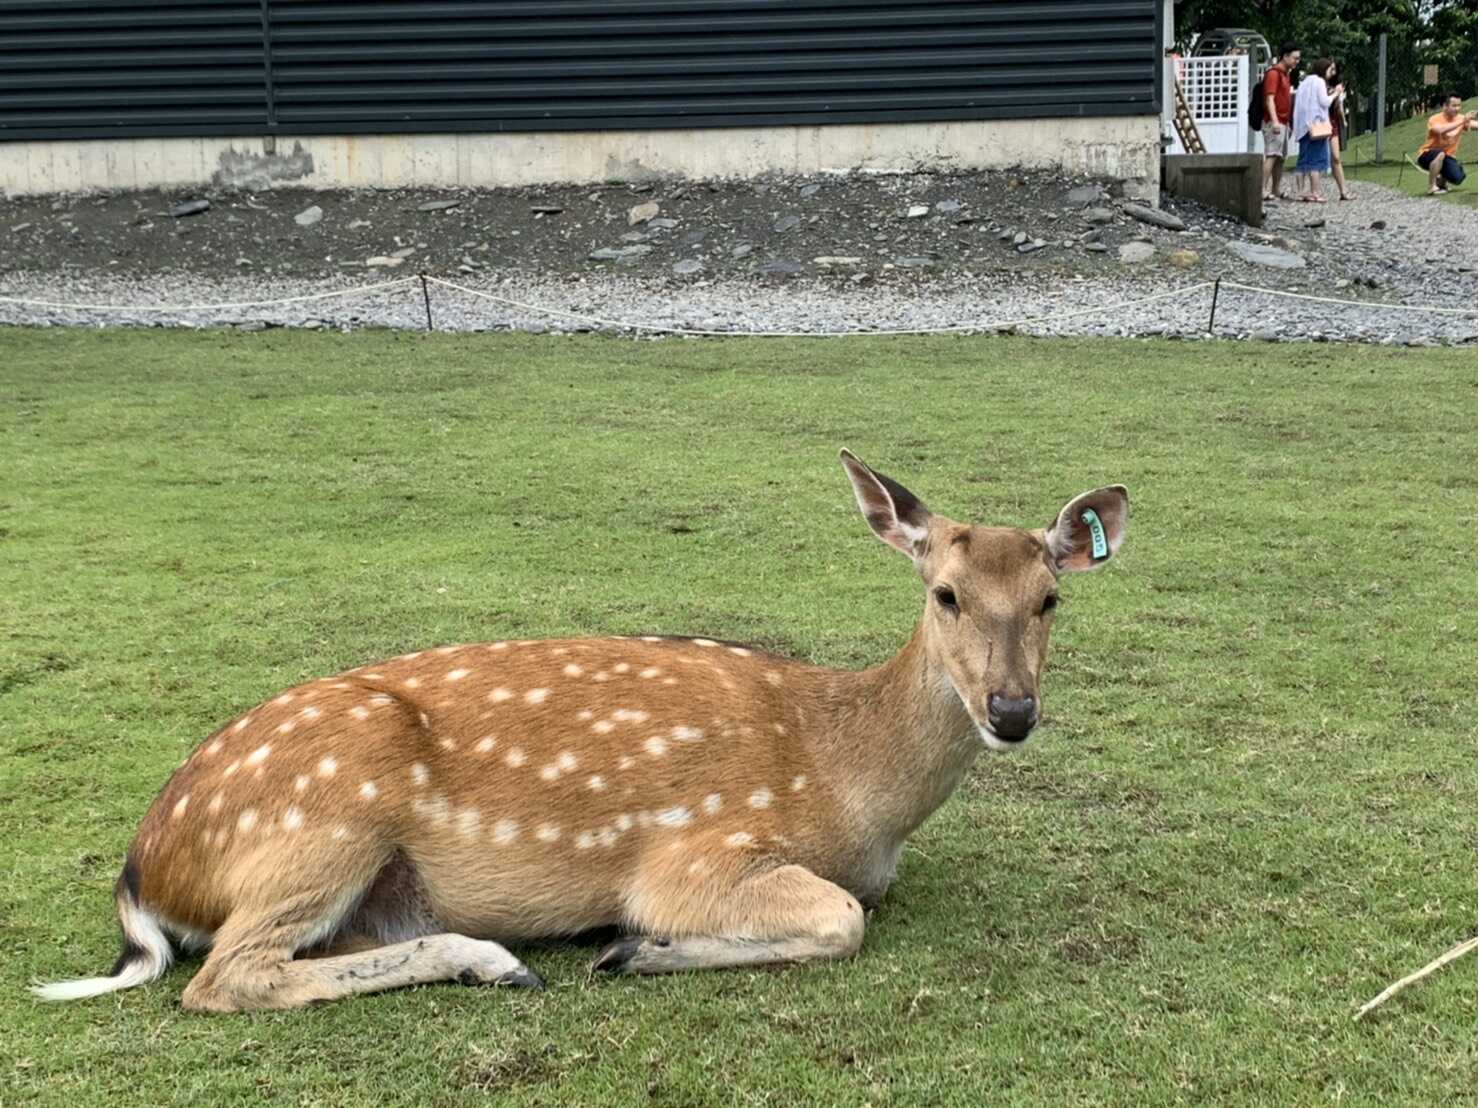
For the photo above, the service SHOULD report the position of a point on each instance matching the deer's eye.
(1049, 603)
(946, 596)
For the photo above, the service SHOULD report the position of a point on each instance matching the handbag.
(1322, 129)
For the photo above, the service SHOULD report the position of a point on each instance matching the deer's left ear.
(1089, 529)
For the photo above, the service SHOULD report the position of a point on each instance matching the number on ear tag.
(1100, 542)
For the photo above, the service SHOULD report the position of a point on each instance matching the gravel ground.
(836, 253)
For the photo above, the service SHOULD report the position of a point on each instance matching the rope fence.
(425, 281)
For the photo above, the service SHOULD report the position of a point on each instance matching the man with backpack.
(1272, 110)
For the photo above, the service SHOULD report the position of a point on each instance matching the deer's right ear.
(896, 516)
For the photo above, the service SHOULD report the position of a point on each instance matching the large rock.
(1133, 252)
(1266, 255)
(642, 212)
(1085, 194)
(308, 216)
(1155, 218)
(1098, 216)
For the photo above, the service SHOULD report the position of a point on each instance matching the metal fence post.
(1380, 103)
(426, 296)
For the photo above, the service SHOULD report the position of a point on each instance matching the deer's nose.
(1011, 717)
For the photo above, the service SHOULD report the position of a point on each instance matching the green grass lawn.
(1251, 807)
(1402, 141)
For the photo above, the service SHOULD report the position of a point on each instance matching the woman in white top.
(1312, 129)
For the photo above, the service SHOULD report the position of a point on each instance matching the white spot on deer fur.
(368, 790)
(630, 715)
(247, 820)
(567, 762)
(214, 748)
(704, 642)
(374, 677)
(773, 676)
(669, 680)
(311, 713)
(712, 803)
(761, 798)
(516, 757)
(327, 767)
(624, 822)
(602, 727)
(292, 819)
(424, 718)
(241, 723)
(445, 650)
(584, 715)
(505, 831)
(497, 696)
(743, 652)
(259, 755)
(597, 783)
(740, 838)
(584, 840)
(447, 744)
(232, 768)
(300, 783)
(651, 638)
(798, 782)
(606, 837)
(467, 822)
(780, 729)
(380, 700)
(413, 682)
(550, 772)
(457, 674)
(697, 867)
(497, 646)
(340, 832)
(655, 746)
(547, 833)
(536, 696)
(626, 762)
(601, 676)
(572, 670)
(286, 725)
(419, 773)
(179, 809)
(621, 667)
(684, 733)
(214, 807)
(359, 711)
(674, 817)
(486, 744)
(285, 698)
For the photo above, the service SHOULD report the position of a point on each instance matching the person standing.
(1312, 129)
(1277, 119)
(1438, 155)
(1336, 138)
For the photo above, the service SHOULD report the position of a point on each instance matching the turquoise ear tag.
(1100, 542)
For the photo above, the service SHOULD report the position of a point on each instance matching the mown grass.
(1252, 805)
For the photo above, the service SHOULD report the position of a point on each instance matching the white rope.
(204, 307)
(1350, 303)
(953, 329)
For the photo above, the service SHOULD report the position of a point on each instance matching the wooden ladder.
(1185, 123)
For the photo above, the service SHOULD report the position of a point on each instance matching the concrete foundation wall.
(1124, 147)
(1230, 182)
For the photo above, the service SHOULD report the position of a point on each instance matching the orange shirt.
(1445, 143)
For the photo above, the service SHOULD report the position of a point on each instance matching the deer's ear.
(896, 516)
(1089, 529)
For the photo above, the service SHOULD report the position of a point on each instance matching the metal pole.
(426, 296)
(1215, 293)
(1380, 103)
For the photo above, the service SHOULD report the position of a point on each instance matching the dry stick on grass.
(1431, 967)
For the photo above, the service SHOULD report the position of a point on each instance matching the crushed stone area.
(831, 253)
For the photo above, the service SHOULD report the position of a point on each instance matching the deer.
(715, 804)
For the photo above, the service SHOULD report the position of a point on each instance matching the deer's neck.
(898, 741)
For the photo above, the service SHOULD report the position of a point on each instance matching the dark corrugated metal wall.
(95, 68)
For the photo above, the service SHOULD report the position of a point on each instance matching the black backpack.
(1255, 110)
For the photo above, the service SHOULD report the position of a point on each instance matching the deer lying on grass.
(397, 824)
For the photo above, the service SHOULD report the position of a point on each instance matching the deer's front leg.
(687, 921)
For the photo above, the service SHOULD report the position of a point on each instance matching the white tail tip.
(148, 955)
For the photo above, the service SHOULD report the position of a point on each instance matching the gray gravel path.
(1382, 249)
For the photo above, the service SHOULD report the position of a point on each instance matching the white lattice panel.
(1217, 90)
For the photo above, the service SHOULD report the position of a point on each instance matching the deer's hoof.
(617, 956)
